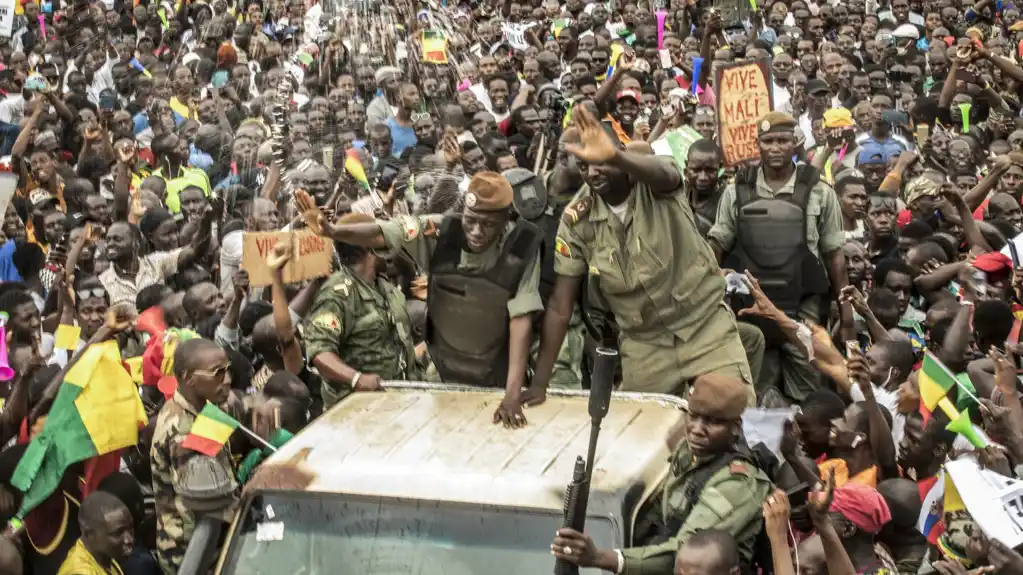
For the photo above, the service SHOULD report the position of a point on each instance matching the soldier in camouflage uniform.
(358, 332)
(711, 465)
(201, 368)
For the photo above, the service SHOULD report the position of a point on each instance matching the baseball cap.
(872, 154)
(628, 94)
(816, 86)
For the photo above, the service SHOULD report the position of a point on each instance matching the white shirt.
(12, 109)
(153, 269)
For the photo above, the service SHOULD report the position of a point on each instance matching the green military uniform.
(824, 236)
(367, 326)
(175, 523)
(417, 236)
(660, 280)
(731, 500)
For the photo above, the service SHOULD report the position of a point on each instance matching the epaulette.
(577, 211)
(739, 467)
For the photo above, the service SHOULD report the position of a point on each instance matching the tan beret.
(776, 122)
(488, 192)
(718, 396)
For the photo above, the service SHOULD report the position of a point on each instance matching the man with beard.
(802, 217)
(403, 135)
(172, 166)
(674, 325)
(484, 275)
(381, 109)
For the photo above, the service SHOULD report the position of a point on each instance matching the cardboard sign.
(312, 256)
(7, 8)
(743, 97)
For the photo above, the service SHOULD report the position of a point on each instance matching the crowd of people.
(505, 187)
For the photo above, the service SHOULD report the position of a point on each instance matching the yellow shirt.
(80, 562)
(866, 477)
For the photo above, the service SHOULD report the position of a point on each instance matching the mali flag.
(354, 167)
(97, 411)
(210, 431)
(935, 381)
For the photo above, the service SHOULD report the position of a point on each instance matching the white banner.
(6, 18)
(515, 34)
(994, 501)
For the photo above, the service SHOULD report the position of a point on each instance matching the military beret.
(488, 192)
(719, 396)
(776, 122)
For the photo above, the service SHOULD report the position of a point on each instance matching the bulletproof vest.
(467, 312)
(771, 239)
(532, 204)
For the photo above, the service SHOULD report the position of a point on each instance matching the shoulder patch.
(409, 227)
(327, 320)
(739, 468)
(577, 211)
(561, 247)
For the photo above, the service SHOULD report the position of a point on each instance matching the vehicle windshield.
(325, 534)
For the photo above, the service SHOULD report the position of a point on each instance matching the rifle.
(578, 492)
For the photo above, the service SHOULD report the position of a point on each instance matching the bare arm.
(292, 350)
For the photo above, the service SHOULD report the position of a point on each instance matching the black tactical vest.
(771, 239)
(467, 313)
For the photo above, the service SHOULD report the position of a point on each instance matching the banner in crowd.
(312, 257)
(515, 34)
(7, 8)
(994, 501)
(743, 97)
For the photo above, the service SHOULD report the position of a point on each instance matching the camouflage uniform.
(732, 500)
(367, 326)
(568, 370)
(174, 521)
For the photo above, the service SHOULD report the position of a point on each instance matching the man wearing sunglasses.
(202, 369)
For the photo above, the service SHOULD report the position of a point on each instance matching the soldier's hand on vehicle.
(509, 412)
(574, 547)
(369, 382)
(535, 395)
(596, 146)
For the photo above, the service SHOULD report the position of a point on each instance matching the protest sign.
(994, 501)
(7, 8)
(515, 34)
(743, 96)
(312, 256)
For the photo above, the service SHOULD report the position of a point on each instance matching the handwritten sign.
(312, 256)
(7, 9)
(515, 34)
(744, 96)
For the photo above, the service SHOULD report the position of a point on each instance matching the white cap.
(907, 31)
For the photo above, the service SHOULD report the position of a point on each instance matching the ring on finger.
(567, 550)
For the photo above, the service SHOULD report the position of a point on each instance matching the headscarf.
(861, 505)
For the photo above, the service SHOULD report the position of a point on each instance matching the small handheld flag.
(354, 167)
(210, 431)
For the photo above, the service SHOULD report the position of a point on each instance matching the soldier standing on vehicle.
(632, 230)
(202, 369)
(358, 332)
(484, 274)
(714, 484)
(784, 225)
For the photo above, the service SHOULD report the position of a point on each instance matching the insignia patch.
(343, 287)
(562, 248)
(431, 229)
(410, 228)
(471, 199)
(327, 321)
(738, 467)
(765, 126)
(577, 211)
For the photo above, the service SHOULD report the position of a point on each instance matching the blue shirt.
(401, 137)
(8, 273)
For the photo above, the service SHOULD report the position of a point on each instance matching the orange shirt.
(866, 477)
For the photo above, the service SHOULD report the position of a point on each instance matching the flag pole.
(251, 434)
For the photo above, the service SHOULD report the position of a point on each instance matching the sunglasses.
(94, 292)
(704, 112)
(417, 116)
(218, 373)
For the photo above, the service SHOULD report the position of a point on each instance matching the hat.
(488, 192)
(815, 86)
(906, 31)
(717, 395)
(920, 187)
(40, 196)
(776, 122)
(385, 71)
(838, 118)
(847, 177)
(872, 154)
(863, 506)
(992, 262)
(628, 94)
